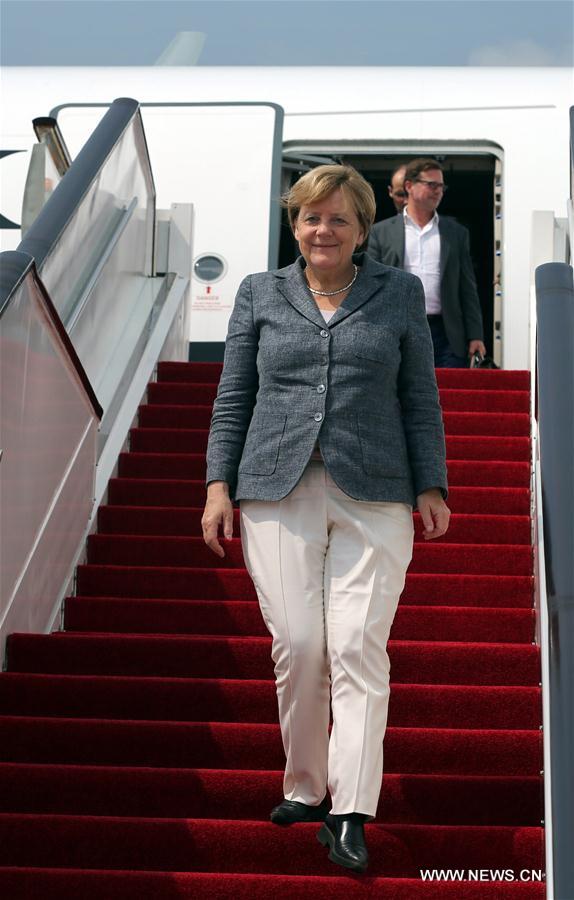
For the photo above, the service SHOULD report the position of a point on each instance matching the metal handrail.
(48, 132)
(45, 232)
(555, 394)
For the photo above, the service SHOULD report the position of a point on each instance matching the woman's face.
(328, 232)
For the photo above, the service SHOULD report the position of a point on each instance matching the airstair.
(139, 745)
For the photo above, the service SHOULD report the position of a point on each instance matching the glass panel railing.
(82, 326)
(93, 245)
(48, 431)
(109, 180)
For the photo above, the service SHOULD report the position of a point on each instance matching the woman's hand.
(434, 513)
(218, 511)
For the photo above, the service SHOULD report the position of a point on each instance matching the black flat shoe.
(290, 811)
(345, 837)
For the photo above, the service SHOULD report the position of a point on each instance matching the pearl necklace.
(340, 290)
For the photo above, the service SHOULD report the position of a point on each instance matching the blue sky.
(290, 32)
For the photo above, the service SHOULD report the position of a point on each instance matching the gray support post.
(555, 366)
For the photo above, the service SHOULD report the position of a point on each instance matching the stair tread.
(133, 885)
(398, 807)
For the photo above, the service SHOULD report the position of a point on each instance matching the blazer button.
(318, 417)
(320, 388)
(324, 333)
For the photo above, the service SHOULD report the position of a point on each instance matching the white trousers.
(328, 571)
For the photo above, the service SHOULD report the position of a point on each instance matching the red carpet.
(140, 752)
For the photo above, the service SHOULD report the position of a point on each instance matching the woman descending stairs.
(140, 748)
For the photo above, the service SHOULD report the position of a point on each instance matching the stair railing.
(554, 558)
(48, 434)
(552, 423)
(81, 291)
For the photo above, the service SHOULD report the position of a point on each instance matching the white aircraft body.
(216, 137)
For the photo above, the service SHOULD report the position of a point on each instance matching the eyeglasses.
(399, 193)
(433, 185)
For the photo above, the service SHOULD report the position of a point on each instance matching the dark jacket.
(459, 297)
(364, 386)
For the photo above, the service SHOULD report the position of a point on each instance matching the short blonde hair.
(322, 181)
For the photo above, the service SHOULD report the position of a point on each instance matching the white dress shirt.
(422, 258)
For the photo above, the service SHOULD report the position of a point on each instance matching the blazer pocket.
(262, 443)
(374, 343)
(383, 447)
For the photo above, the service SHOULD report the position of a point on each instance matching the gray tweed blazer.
(364, 386)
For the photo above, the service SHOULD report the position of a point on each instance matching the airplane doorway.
(473, 198)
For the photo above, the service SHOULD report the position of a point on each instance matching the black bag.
(482, 362)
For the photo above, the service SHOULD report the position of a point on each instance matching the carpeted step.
(196, 844)
(55, 884)
(417, 623)
(223, 745)
(474, 400)
(157, 492)
(182, 416)
(194, 440)
(483, 379)
(501, 501)
(145, 550)
(174, 492)
(484, 401)
(207, 372)
(248, 700)
(155, 465)
(202, 656)
(464, 423)
(182, 393)
(235, 584)
(168, 440)
(191, 466)
(181, 521)
(484, 423)
(245, 794)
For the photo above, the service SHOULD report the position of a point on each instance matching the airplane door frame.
(310, 148)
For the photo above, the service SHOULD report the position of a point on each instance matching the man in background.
(437, 250)
(396, 188)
